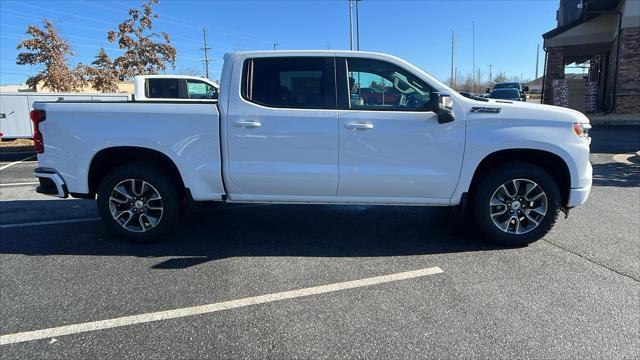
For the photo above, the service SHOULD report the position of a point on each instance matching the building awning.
(598, 30)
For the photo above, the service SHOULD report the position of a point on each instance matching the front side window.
(303, 82)
(163, 88)
(198, 89)
(377, 85)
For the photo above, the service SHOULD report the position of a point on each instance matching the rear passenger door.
(282, 132)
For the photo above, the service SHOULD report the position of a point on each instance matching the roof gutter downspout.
(544, 73)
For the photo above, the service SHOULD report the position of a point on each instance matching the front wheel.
(516, 204)
(138, 203)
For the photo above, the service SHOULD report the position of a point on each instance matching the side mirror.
(526, 89)
(436, 105)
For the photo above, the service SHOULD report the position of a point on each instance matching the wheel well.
(108, 159)
(549, 162)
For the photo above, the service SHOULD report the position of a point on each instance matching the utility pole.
(274, 46)
(357, 27)
(537, 58)
(452, 79)
(475, 82)
(206, 55)
(490, 75)
(350, 25)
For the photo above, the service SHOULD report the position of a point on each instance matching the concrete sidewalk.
(614, 119)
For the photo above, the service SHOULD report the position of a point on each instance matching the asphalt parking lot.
(341, 282)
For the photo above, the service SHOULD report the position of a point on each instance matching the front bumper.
(578, 196)
(51, 183)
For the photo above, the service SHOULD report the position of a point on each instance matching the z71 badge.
(482, 109)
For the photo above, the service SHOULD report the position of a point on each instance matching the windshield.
(505, 94)
(507, 86)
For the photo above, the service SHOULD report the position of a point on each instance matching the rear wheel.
(139, 203)
(516, 204)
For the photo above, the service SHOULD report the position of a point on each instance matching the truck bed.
(186, 132)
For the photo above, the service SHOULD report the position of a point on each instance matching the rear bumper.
(578, 196)
(51, 183)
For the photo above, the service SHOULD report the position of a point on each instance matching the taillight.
(38, 116)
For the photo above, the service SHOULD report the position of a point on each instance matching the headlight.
(581, 130)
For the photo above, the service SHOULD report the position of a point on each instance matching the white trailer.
(15, 108)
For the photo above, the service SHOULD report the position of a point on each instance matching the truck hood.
(523, 110)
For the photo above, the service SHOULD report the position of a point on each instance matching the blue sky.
(507, 32)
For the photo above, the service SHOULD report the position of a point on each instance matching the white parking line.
(15, 163)
(209, 308)
(623, 158)
(21, 184)
(9, 226)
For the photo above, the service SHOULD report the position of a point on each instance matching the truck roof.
(239, 56)
(308, 53)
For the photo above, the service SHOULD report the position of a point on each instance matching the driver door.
(389, 145)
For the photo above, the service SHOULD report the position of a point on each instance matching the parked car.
(506, 94)
(15, 106)
(522, 89)
(285, 130)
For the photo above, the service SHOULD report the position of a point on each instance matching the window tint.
(505, 94)
(507, 86)
(377, 85)
(290, 82)
(163, 88)
(197, 89)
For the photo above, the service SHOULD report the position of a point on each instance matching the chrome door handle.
(359, 126)
(247, 124)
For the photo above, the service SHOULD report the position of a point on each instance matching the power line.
(62, 24)
(190, 24)
(64, 13)
(452, 79)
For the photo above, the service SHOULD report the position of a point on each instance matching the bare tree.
(103, 74)
(47, 49)
(467, 84)
(145, 51)
(479, 77)
(500, 77)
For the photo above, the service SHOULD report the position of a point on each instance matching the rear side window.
(198, 89)
(163, 88)
(304, 82)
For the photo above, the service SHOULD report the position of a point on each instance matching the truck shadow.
(616, 174)
(264, 230)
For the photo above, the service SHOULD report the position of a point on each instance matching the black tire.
(489, 184)
(165, 187)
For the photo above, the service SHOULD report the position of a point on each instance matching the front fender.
(487, 137)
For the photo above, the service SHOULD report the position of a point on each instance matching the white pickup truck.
(321, 127)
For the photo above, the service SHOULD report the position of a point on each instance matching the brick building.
(603, 38)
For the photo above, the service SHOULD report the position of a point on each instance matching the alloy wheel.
(518, 206)
(136, 205)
